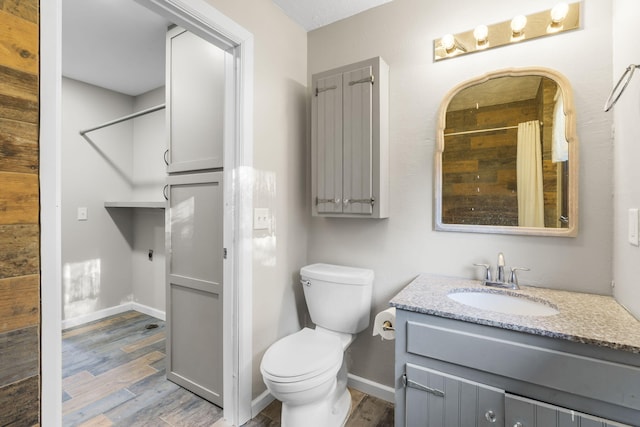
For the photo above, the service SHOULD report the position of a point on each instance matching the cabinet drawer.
(583, 376)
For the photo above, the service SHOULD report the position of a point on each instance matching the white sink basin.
(503, 303)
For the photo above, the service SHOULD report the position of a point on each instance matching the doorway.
(202, 19)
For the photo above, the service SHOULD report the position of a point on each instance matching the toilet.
(306, 370)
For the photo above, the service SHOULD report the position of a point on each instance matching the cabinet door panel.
(357, 141)
(464, 403)
(328, 122)
(196, 101)
(195, 283)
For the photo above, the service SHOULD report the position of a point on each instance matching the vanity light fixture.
(562, 17)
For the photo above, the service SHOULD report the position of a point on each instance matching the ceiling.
(119, 45)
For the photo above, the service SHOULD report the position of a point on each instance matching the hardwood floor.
(113, 374)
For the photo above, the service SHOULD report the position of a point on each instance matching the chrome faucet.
(500, 282)
(500, 268)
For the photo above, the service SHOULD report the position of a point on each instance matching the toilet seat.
(302, 356)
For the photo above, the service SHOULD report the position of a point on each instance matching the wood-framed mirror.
(506, 157)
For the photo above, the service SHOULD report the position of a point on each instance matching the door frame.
(203, 19)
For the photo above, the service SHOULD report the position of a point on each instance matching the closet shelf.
(153, 205)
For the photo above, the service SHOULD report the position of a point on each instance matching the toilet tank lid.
(338, 274)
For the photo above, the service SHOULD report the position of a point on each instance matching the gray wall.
(626, 51)
(105, 258)
(398, 249)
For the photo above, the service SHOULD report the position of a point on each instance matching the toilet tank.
(338, 297)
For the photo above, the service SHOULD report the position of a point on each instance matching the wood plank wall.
(19, 214)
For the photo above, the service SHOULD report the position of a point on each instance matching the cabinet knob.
(490, 416)
(518, 424)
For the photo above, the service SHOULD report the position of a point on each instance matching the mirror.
(506, 159)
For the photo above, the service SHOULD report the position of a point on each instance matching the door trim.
(203, 19)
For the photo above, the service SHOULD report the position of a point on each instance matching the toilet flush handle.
(305, 282)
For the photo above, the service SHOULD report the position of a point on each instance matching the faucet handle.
(513, 278)
(487, 271)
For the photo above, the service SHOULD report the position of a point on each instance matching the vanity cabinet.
(350, 141)
(455, 373)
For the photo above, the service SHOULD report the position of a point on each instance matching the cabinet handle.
(164, 192)
(334, 201)
(412, 384)
(490, 416)
(166, 157)
(364, 80)
(371, 201)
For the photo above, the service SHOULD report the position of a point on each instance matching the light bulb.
(481, 33)
(559, 13)
(518, 23)
(448, 42)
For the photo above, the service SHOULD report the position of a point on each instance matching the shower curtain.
(529, 175)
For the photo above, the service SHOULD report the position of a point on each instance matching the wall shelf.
(152, 205)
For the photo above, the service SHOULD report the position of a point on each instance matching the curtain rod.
(465, 132)
(122, 119)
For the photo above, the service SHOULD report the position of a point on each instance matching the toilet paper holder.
(387, 326)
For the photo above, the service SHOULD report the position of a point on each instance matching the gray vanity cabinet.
(453, 373)
(350, 141)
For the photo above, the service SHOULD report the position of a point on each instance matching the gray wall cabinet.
(194, 218)
(350, 141)
(196, 102)
(452, 373)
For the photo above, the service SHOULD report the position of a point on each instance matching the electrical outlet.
(261, 219)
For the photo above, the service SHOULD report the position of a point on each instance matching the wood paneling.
(20, 254)
(25, 9)
(19, 352)
(19, 302)
(18, 147)
(18, 43)
(19, 214)
(20, 403)
(19, 199)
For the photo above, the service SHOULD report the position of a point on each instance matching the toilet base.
(330, 412)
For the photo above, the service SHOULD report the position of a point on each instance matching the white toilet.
(305, 370)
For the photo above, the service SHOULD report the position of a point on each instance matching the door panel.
(195, 287)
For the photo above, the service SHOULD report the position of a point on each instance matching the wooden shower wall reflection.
(19, 214)
(483, 190)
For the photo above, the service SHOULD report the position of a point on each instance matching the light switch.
(83, 214)
(261, 219)
(633, 227)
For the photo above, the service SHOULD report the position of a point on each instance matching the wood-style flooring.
(113, 374)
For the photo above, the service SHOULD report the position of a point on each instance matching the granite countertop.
(586, 318)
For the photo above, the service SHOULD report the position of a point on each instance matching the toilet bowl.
(301, 370)
(306, 370)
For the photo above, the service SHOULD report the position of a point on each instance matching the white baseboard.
(106, 312)
(259, 403)
(153, 312)
(371, 388)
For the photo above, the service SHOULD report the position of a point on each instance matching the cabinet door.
(328, 146)
(195, 102)
(194, 280)
(357, 134)
(523, 412)
(436, 399)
